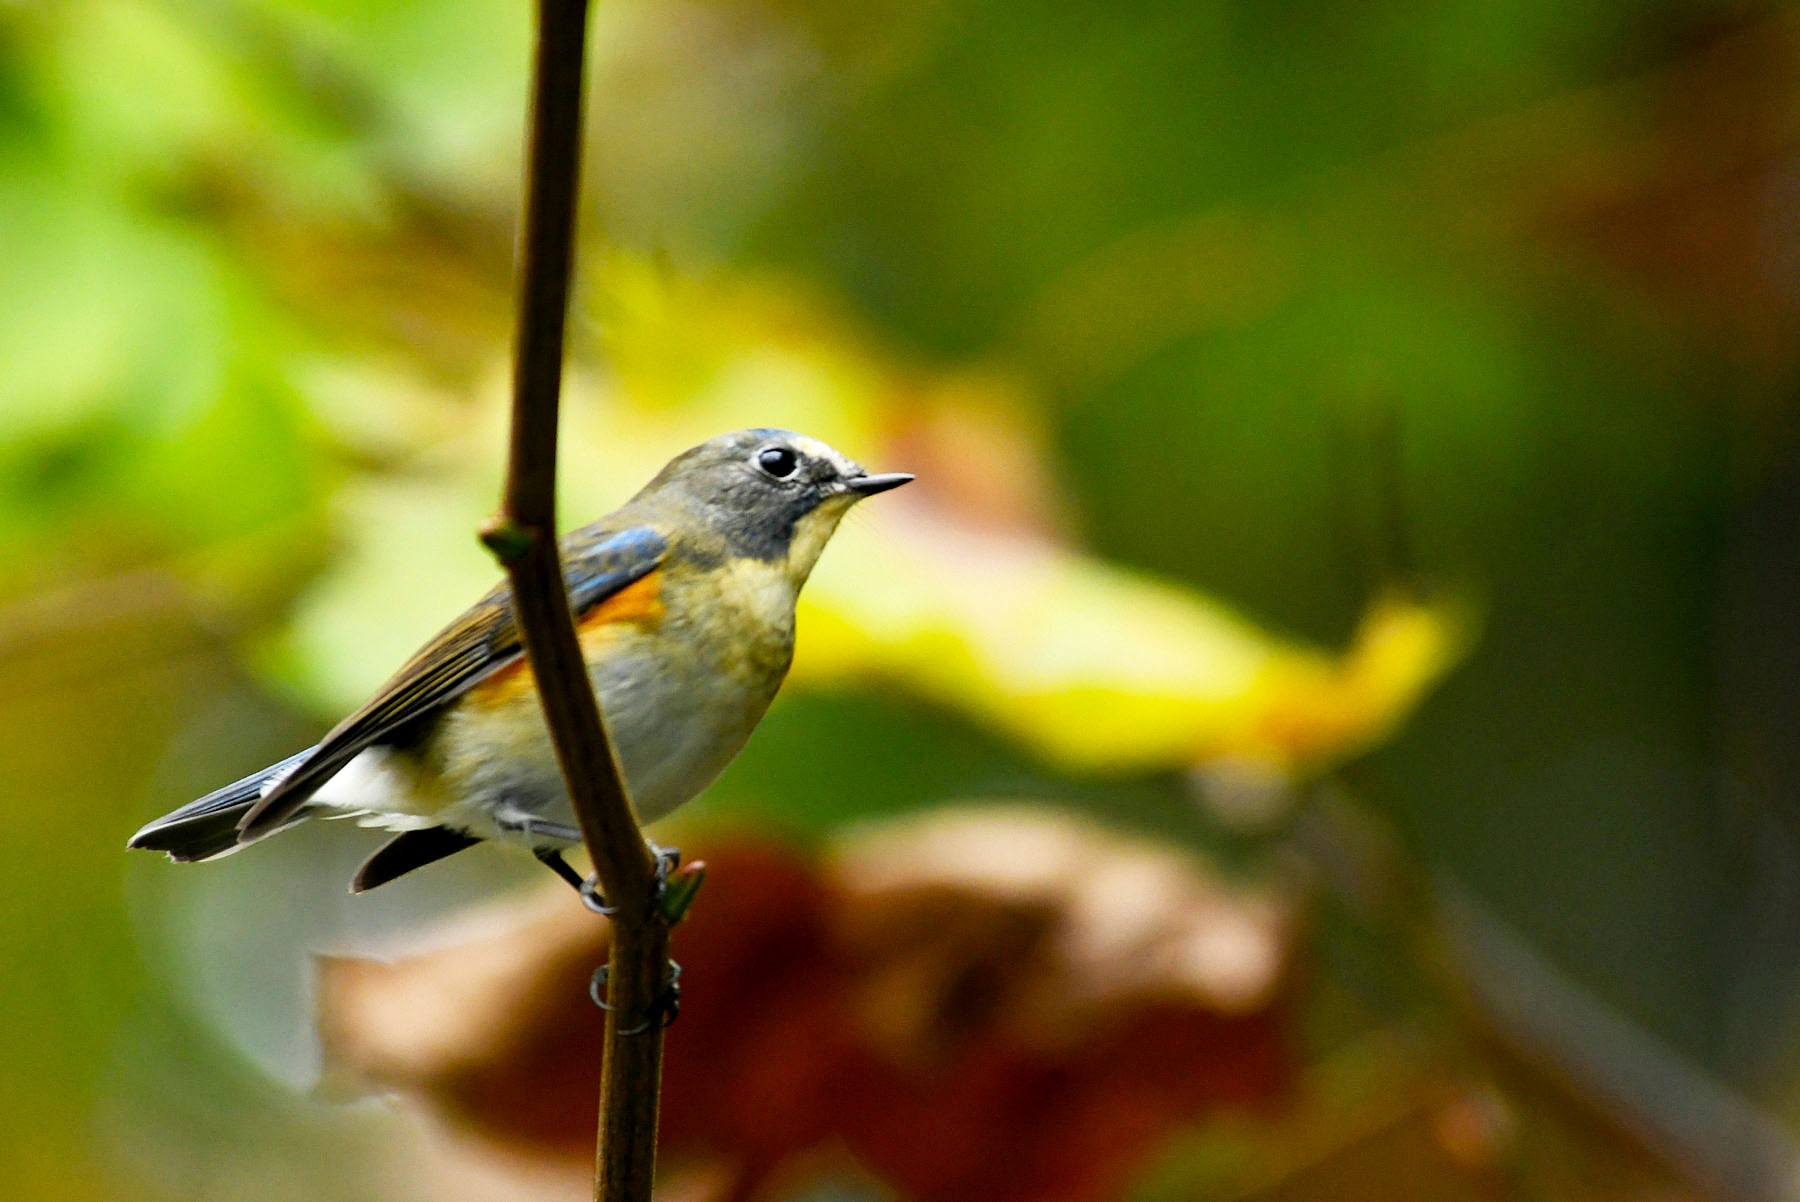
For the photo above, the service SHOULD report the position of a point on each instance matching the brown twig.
(523, 537)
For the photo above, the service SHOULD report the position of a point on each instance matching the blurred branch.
(1370, 512)
(523, 537)
(1715, 1137)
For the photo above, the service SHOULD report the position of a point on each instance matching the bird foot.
(663, 1011)
(668, 859)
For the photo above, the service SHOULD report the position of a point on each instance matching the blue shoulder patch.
(596, 571)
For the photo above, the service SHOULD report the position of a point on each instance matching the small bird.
(684, 604)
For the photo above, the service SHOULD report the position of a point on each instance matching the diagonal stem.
(523, 537)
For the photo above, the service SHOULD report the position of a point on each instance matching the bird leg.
(668, 859)
(551, 858)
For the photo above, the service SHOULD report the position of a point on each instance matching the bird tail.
(208, 828)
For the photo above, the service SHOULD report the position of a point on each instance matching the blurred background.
(1324, 726)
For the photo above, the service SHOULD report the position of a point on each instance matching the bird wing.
(596, 565)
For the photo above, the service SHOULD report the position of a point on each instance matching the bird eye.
(779, 462)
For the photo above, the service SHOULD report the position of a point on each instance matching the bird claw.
(592, 898)
(668, 859)
(664, 1010)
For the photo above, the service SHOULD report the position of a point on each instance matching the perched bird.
(684, 603)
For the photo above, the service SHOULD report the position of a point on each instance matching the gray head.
(770, 495)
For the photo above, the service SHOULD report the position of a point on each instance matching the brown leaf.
(999, 1003)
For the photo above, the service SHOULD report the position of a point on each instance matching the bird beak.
(868, 486)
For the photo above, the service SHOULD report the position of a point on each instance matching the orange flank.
(639, 602)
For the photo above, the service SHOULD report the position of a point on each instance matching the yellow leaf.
(1097, 668)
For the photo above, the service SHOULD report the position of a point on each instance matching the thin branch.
(523, 537)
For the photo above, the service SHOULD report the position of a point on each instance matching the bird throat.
(811, 533)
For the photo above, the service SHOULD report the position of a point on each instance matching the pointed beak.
(868, 486)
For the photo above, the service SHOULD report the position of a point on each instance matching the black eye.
(779, 462)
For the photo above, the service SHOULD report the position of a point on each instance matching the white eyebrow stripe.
(812, 448)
